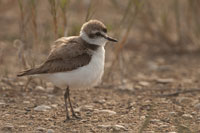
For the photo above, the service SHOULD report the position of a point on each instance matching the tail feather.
(27, 72)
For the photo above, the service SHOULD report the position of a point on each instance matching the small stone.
(41, 129)
(101, 101)
(138, 87)
(42, 108)
(94, 120)
(183, 100)
(20, 83)
(197, 106)
(104, 126)
(7, 128)
(144, 83)
(152, 65)
(155, 120)
(2, 103)
(50, 131)
(40, 88)
(142, 117)
(172, 113)
(125, 87)
(164, 126)
(118, 127)
(187, 116)
(26, 102)
(110, 112)
(149, 132)
(54, 105)
(87, 108)
(84, 120)
(164, 81)
(22, 126)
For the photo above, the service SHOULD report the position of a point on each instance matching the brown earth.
(150, 103)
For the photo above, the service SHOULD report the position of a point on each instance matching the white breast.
(83, 77)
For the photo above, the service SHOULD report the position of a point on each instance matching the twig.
(178, 93)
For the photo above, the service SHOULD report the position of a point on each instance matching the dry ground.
(152, 102)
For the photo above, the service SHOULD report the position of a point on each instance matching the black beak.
(109, 38)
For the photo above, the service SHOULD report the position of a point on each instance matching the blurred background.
(29, 28)
(151, 77)
(156, 38)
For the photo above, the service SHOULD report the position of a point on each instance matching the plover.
(76, 61)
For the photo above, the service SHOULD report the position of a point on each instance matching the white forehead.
(98, 41)
(95, 31)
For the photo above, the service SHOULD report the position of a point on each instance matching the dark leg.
(72, 110)
(66, 95)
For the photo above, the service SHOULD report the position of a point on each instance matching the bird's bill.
(111, 39)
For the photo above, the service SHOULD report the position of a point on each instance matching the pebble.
(42, 108)
(50, 131)
(104, 126)
(183, 100)
(149, 132)
(164, 126)
(40, 88)
(54, 105)
(125, 87)
(144, 83)
(7, 128)
(2, 103)
(110, 112)
(172, 113)
(164, 81)
(119, 127)
(114, 127)
(142, 117)
(155, 120)
(86, 108)
(26, 102)
(41, 129)
(152, 65)
(187, 116)
(197, 106)
(101, 101)
(22, 126)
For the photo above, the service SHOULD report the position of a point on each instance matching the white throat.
(97, 41)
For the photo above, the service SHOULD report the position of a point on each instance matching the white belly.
(83, 77)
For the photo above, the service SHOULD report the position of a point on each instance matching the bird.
(75, 61)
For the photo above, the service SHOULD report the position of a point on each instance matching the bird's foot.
(75, 116)
(67, 119)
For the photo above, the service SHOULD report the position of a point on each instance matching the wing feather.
(66, 56)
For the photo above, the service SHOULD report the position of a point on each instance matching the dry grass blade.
(119, 47)
(54, 16)
(90, 11)
(63, 6)
(34, 18)
(122, 43)
(22, 20)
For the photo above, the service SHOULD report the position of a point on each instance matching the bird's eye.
(98, 34)
(105, 30)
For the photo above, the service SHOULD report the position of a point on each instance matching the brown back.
(68, 54)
